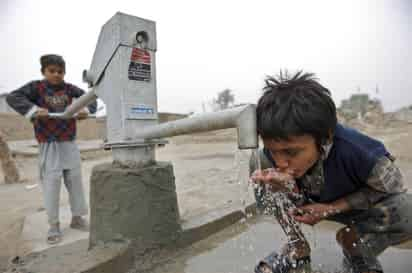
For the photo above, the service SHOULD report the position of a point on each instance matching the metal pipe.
(62, 116)
(243, 118)
(76, 106)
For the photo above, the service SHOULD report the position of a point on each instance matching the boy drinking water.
(313, 169)
(59, 155)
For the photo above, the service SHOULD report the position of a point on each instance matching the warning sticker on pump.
(140, 65)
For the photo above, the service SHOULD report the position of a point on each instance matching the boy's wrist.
(32, 112)
(340, 205)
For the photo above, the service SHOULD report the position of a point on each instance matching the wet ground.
(238, 248)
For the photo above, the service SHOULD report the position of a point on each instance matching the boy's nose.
(281, 163)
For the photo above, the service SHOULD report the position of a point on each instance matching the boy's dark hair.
(294, 106)
(52, 59)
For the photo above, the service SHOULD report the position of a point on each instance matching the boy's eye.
(291, 152)
(52, 71)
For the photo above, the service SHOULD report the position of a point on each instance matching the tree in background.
(224, 100)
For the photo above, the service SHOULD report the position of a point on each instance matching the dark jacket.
(53, 98)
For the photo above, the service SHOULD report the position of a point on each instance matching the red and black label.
(140, 65)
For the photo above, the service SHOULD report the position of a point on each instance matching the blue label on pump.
(142, 110)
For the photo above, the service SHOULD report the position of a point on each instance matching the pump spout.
(243, 118)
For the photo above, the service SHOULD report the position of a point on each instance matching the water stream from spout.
(242, 177)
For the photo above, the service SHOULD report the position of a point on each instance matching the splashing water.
(242, 177)
(279, 201)
(256, 156)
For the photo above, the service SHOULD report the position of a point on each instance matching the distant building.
(4, 107)
(361, 108)
(355, 105)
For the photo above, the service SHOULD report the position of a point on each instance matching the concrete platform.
(33, 237)
(196, 228)
(112, 257)
(77, 258)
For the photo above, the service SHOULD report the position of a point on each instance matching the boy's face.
(54, 74)
(295, 155)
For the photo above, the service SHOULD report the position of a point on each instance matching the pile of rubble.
(360, 111)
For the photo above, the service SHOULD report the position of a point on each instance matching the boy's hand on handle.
(41, 113)
(83, 114)
(279, 181)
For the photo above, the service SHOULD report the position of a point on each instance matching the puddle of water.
(238, 248)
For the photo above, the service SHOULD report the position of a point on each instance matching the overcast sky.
(207, 46)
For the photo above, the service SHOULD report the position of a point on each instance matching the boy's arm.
(22, 100)
(77, 92)
(385, 179)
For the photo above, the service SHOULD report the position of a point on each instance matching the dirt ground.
(206, 177)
